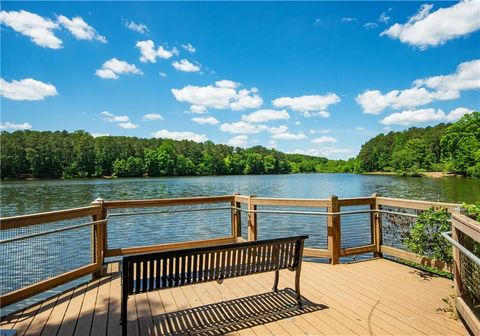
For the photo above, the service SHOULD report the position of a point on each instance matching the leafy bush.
(472, 210)
(425, 237)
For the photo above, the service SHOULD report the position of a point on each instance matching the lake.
(23, 197)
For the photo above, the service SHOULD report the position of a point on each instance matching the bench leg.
(123, 316)
(275, 282)
(297, 288)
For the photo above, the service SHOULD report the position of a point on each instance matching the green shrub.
(472, 210)
(425, 237)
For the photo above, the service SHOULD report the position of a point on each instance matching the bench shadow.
(232, 315)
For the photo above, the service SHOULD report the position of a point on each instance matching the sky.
(318, 78)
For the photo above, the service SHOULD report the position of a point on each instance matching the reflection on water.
(22, 197)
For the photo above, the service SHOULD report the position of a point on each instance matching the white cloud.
(360, 128)
(448, 87)
(307, 104)
(466, 77)
(152, 116)
(186, 66)
(37, 28)
(330, 152)
(138, 27)
(349, 19)
(127, 125)
(80, 29)
(238, 141)
(162, 74)
(265, 115)
(206, 120)
(374, 102)
(289, 136)
(112, 68)
(278, 130)
(324, 131)
(241, 127)
(420, 116)
(221, 96)
(298, 123)
(370, 25)
(198, 109)
(324, 139)
(187, 135)
(426, 29)
(26, 89)
(188, 47)
(150, 54)
(272, 143)
(97, 135)
(8, 125)
(384, 18)
(225, 83)
(110, 117)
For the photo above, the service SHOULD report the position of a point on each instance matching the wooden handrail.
(415, 204)
(167, 202)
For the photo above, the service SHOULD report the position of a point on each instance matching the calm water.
(22, 197)
(60, 252)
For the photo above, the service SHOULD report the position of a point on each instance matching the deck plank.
(376, 297)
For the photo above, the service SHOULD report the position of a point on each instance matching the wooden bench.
(155, 271)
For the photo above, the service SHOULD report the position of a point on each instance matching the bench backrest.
(154, 271)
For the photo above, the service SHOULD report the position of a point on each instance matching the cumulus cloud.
(152, 116)
(448, 87)
(466, 77)
(110, 117)
(220, 96)
(98, 135)
(265, 115)
(11, 126)
(289, 136)
(323, 131)
(206, 120)
(148, 52)
(374, 102)
(324, 139)
(426, 29)
(186, 66)
(80, 29)
(37, 28)
(420, 116)
(241, 127)
(127, 125)
(187, 135)
(330, 152)
(26, 89)
(308, 105)
(137, 27)
(238, 141)
(112, 68)
(188, 47)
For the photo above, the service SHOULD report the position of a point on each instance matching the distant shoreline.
(424, 174)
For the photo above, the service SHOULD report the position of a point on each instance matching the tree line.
(446, 147)
(61, 154)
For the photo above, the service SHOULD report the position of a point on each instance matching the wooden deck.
(375, 297)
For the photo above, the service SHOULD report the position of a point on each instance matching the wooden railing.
(334, 209)
(466, 231)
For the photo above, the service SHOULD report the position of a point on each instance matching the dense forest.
(78, 154)
(446, 147)
(452, 148)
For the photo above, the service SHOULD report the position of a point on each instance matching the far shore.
(424, 174)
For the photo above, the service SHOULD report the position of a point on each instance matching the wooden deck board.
(375, 297)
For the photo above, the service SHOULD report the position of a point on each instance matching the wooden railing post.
(457, 275)
(376, 227)
(333, 231)
(99, 238)
(236, 219)
(252, 220)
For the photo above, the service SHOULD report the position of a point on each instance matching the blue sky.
(326, 76)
